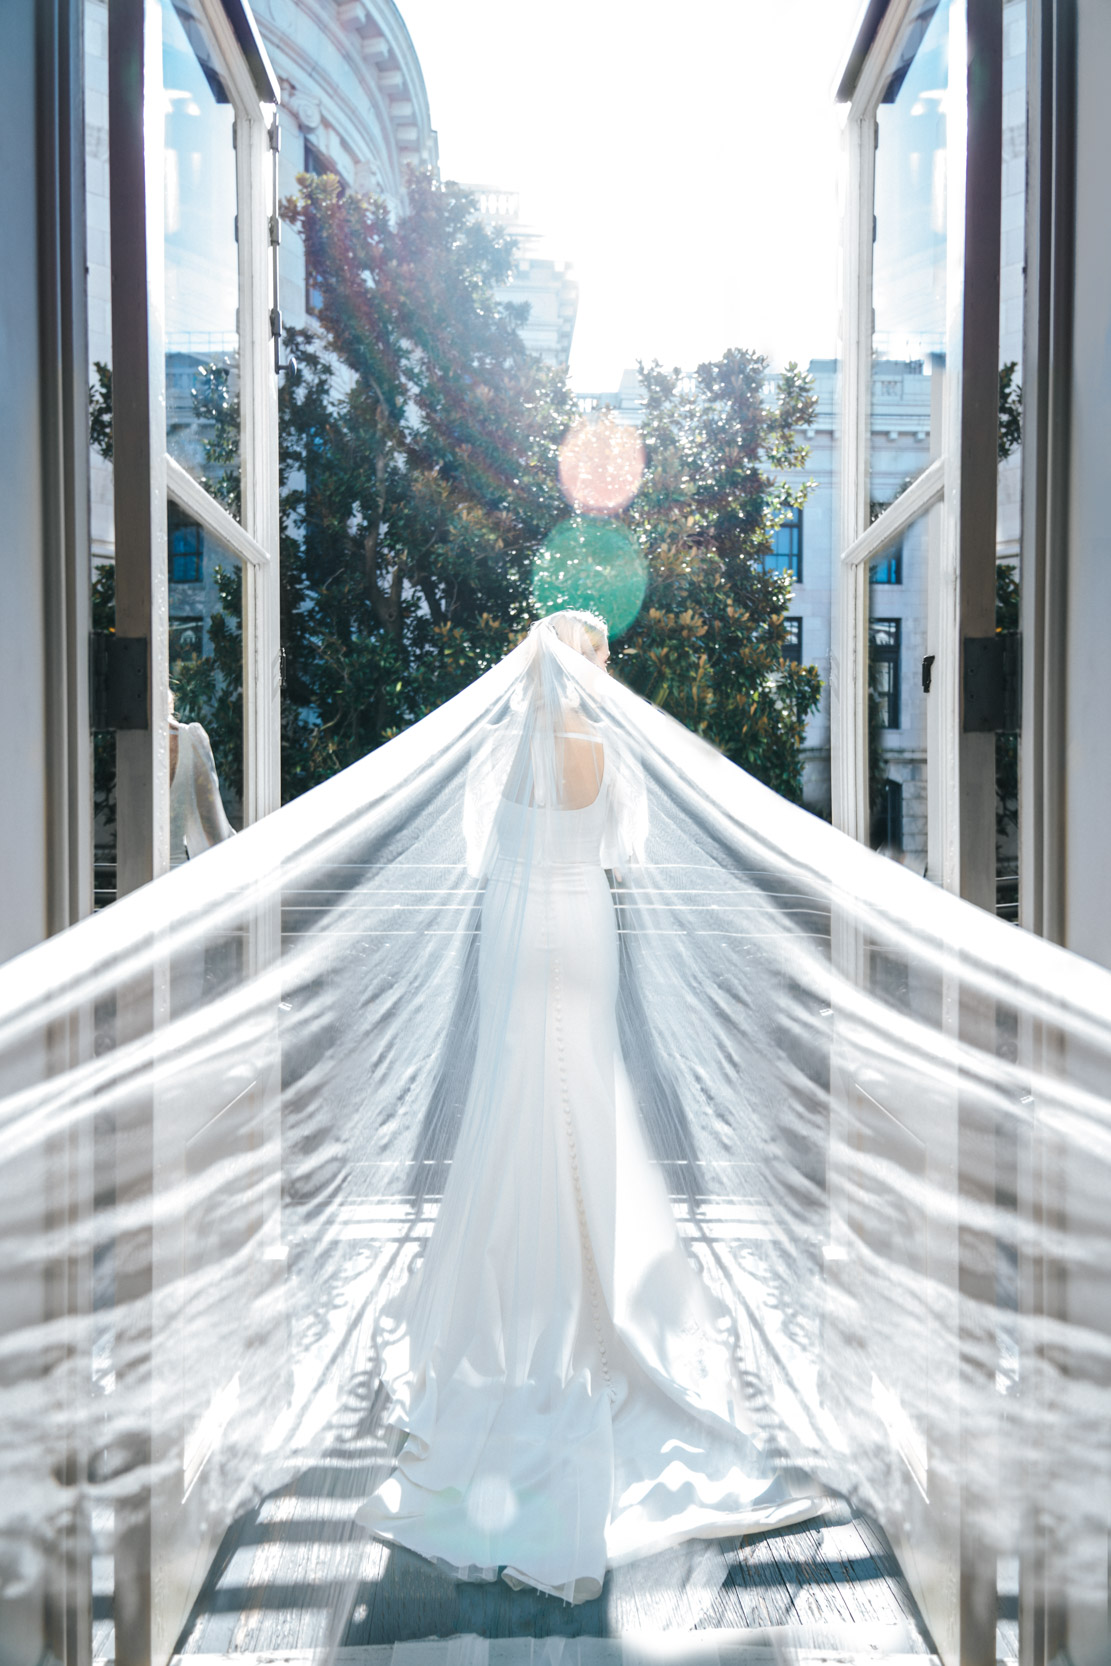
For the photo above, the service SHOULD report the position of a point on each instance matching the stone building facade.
(353, 103)
(546, 286)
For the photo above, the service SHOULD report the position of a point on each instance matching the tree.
(1010, 410)
(419, 484)
(419, 443)
(708, 644)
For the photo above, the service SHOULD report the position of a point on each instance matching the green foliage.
(216, 411)
(100, 411)
(708, 643)
(418, 466)
(1010, 410)
(1008, 599)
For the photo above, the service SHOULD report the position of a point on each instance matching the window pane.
(909, 289)
(785, 555)
(202, 261)
(206, 680)
(897, 596)
(888, 569)
(792, 644)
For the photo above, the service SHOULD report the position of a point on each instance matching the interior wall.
(45, 824)
(22, 664)
(45, 763)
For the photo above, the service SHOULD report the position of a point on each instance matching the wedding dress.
(197, 818)
(565, 1380)
(229, 1102)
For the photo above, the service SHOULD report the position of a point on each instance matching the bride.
(564, 1382)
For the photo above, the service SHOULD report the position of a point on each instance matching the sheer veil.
(231, 1101)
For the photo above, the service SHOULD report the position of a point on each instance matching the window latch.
(993, 683)
(117, 681)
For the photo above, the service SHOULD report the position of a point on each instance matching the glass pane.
(206, 681)
(785, 555)
(908, 285)
(202, 260)
(897, 598)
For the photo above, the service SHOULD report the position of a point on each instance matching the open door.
(194, 322)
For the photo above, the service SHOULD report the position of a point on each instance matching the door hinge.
(276, 323)
(928, 673)
(117, 681)
(993, 683)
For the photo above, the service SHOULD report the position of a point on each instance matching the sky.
(684, 160)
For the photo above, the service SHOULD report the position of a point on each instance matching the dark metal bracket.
(993, 683)
(118, 681)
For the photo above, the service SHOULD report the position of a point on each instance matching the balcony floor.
(828, 1591)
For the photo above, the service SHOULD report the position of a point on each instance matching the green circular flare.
(591, 563)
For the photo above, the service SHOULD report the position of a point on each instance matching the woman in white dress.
(565, 1381)
(197, 818)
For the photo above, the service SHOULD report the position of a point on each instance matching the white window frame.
(145, 477)
(937, 489)
(254, 540)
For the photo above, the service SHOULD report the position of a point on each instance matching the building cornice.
(373, 43)
(871, 15)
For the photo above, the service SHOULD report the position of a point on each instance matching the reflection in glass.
(202, 261)
(206, 681)
(889, 568)
(897, 596)
(909, 258)
(1007, 620)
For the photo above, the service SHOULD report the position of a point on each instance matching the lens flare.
(591, 564)
(600, 465)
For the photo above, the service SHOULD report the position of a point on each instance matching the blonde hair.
(585, 632)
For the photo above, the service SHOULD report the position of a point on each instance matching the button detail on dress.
(584, 1233)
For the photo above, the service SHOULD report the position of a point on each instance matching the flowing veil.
(231, 1103)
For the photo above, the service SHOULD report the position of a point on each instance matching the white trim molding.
(850, 752)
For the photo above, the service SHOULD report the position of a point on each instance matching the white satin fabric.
(228, 1104)
(197, 818)
(566, 1380)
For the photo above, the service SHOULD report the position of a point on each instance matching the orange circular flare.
(600, 465)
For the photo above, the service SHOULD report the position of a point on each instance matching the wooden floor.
(830, 1590)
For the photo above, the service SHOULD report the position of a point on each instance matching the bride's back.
(580, 760)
